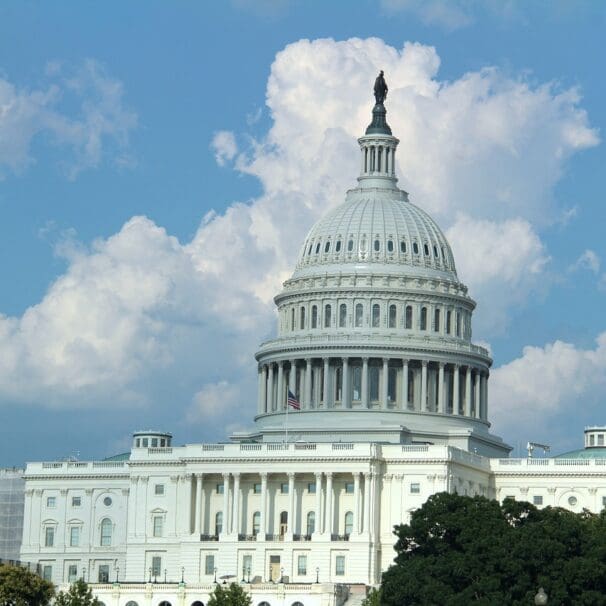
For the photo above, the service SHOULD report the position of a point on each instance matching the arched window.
(292, 319)
(196, 603)
(256, 523)
(106, 532)
(311, 522)
(403, 246)
(338, 246)
(317, 248)
(377, 245)
(297, 604)
(423, 318)
(435, 251)
(350, 244)
(164, 603)
(426, 250)
(359, 314)
(408, 316)
(314, 316)
(356, 383)
(327, 247)
(327, 316)
(342, 315)
(309, 249)
(348, 523)
(458, 324)
(392, 316)
(283, 523)
(376, 315)
(415, 248)
(302, 318)
(133, 603)
(390, 246)
(436, 320)
(218, 523)
(264, 604)
(448, 322)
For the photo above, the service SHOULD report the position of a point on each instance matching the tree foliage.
(229, 595)
(20, 587)
(459, 550)
(79, 594)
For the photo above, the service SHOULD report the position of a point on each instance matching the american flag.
(292, 401)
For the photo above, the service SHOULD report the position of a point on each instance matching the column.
(280, 394)
(225, 528)
(404, 394)
(424, 385)
(263, 529)
(345, 393)
(187, 489)
(366, 503)
(260, 379)
(328, 524)
(263, 398)
(270, 389)
(318, 514)
(292, 377)
(385, 384)
(326, 398)
(307, 396)
(455, 390)
(441, 398)
(235, 524)
(198, 504)
(356, 524)
(477, 395)
(365, 401)
(468, 392)
(291, 506)
(484, 414)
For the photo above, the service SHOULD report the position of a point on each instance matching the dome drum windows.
(426, 249)
(359, 317)
(408, 318)
(377, 245)
(302, 319)
(342, 315)
(403, 246)
(350, 245)
(314, 316)
(327, 316)
(423, 319)
(392, 316)
(327, 247)
(415, 248)
(390, 246)
(317, 248)
(338, 246)
(436, 320)
(376, 315)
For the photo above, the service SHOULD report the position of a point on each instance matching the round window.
(572, 501)
(107, 501)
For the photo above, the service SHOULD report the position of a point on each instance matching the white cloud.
(99, 128)
(225, 147)
(544, 385)
(448, 14)
(214, 400)
(589, 261)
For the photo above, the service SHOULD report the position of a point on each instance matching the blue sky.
(157, 160)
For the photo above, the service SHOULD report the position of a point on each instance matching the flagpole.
(287, 407)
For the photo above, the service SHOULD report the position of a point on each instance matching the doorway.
(274, 568)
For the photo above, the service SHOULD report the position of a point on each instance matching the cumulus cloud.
(215, 400)
(589, 261)
(544, 385)
(98, 130)
(225, 147)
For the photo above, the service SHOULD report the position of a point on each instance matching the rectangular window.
(415, 488)
(284, 488)
(220, 488)
(373, 372)
(209, 564)
(156, 566)
(159, 489)
(49, 536)
(349, 487)
(311, 488)
(158, 526)
(51, 502)
(72, 573)
(257, 488)
(340, 565)
(537, 499)
(302, 565)
(74, 536)
(103, 573)
(603, 501)
(47, 572)
(144, 442)
(247, 564)
(76, 501)
(600, 439)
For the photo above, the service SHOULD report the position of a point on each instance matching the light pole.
(248, 574)
(165, 575)
(541, 598)
(149, 575)
(281, 575)
(317, 574)
(117, 575)
(215, 579)
(182, 574)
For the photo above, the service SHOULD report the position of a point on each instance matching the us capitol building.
(371, 398)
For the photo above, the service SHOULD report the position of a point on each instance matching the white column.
(187, 498)
(291, 506)
(292, 377)
(356, 524)
(307, 397)
(455, 390)
(198, 510)
(280, 394)
(441, 398)
(404, 394)
(270, 389)
(484, 396)
(328, 525)
(225, 528)
(260, 403)
(477, 395)
(263, 521)
(365, 400)
(345, 395)
(235, 524)
(468, 392)
(366, 503)
(325, 384)
(385, 384)
(424, 385)
(318, 520)
(263, 398)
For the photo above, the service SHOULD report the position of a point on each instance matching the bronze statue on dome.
(380, 89)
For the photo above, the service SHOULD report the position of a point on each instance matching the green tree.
(79, 594)
(373, 598)
(20, 587)
(460, 550)
(229, 595)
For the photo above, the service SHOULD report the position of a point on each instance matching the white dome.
(377, 228)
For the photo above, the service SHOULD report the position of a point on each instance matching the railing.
(301, 537)
(339, 537)
(274, 537)
(342, 446)
(209, 537)
(277, 446)
(251, 446)
(415, 448)
(213, 446)
(160, 450)
(305, 446)
(547, 463)
(247, 537)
